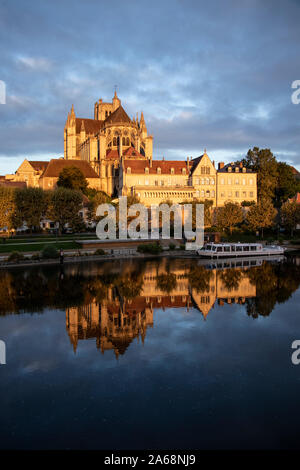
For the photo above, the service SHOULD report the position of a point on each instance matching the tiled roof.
(113, 154)
(233, 166)
(119, 115)
(56, 166)
(91, 126)
(38, 166)
(132, 152)
(138, 166)
(195, 162)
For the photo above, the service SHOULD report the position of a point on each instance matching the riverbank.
(85, 258)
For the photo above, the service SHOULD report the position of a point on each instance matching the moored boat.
(227, 250)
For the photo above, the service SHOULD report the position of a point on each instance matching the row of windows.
(237, 194)
(158, 171)
(205, 194)
(206, 181)
(125, 141)
(205, 170)
(236, 181)
(167, 195)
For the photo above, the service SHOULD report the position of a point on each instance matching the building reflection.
(120, 316)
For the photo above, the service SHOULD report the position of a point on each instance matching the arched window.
(115, 141)
(207, 180)
(127, 141)
(106, 114)
(123, 141)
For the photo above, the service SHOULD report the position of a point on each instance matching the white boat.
(228, 250)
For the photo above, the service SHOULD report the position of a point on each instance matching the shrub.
(50, 252)
(182, 247)
(172, 246)
(99, 251)
(151, 248)
(15, 256)
(35, 256)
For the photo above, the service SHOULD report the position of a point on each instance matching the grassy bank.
(29, 247)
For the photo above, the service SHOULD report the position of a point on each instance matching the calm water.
(156, 354)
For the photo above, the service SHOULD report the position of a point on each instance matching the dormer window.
(147, 170)
(236, 169)
(172, 171)
(244, 169)
(229, 169)
(183, 171)
(158, 171)
(129, 170)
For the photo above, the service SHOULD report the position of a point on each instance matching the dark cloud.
(206, 74)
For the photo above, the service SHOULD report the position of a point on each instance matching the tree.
(31, 205)
(207, 211)
(229, 215)
(72, 178)
(7, 208)
(99, 198)
(261, 216)
(263, 162)
(64, 206)
(287, 185)
(290, 215)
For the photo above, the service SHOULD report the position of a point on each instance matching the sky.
(212, 75)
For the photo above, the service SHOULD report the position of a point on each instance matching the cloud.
(211, 75)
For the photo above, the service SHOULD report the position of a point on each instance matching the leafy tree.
(99, 198)
(72, 178)
(7, 208)
(64, 207)
(229, 215)
(31, 205)
(263, 162)
(199, 278)
(290, 215)
(287, 185)
(261, 216)
(166, 282)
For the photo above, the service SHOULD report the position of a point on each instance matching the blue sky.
(214, 75)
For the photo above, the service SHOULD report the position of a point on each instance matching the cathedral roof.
(55, 166)
(138, 166)
(119, 115)
(91, 126)
(132, 152)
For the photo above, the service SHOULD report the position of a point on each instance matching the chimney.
(221, 165)
(188, 164)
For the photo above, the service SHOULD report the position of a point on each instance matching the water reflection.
(114, 302)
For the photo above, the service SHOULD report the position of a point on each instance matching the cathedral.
(120, 151)
(115, 154)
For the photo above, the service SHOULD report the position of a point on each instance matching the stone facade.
(115, 154)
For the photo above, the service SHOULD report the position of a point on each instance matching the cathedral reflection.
(126, 305)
